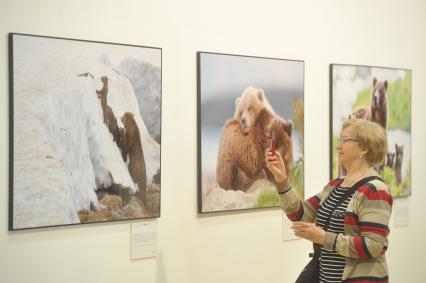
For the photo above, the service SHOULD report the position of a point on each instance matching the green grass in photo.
(406, 184)
(388, 176)
(399, 101)
(296, 178)
(363, 98)
(267, 198)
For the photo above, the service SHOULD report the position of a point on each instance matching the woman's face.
(348, 147)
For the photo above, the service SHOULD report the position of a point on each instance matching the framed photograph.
(246, 105)
(382, 95)
(85, 131)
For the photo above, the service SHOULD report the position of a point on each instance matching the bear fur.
(399, 152)
(137, 168)
(379, 104)
(360, 113)
(123, 143)
(244, 139)
(378, 109)
(390, 159)
(111, 123)
(251, 102)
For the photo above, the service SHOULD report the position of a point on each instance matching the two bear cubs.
(244, 140)
(127, 139)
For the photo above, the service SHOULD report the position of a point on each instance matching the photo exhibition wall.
(85, 128)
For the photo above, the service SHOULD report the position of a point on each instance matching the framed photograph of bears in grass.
(381, 95)
(85, 131)
(247, 104)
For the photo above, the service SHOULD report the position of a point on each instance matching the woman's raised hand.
(275, 164)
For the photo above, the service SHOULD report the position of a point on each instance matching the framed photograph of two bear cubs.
(381, 95)
(247, 104)
(85, 131)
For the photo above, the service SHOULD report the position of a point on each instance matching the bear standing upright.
(379, 104)
(123, 143)
(133, 145)
(378, 109)
(112, 125)
(390, 159)
(244, 139)
(399, 152)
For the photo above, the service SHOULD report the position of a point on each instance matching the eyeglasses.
(342, 139)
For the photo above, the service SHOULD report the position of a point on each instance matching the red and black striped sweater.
(366, 221)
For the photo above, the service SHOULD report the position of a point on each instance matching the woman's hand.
(275, 164)
(309, 231)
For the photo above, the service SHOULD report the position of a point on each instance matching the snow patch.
(63, 151)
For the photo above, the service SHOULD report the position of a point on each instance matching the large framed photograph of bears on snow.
(85, 131)
(381, 95)
(245, 105)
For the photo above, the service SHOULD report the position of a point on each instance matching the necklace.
(353, 180)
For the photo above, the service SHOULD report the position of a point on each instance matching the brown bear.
(137, 168)
(123, 143)
(247, 103)
(102, 95)
(244, 139)
(360, 113)
(378, 106)
(390, 159)
(377, 111)
(111, 123)
(399, 152)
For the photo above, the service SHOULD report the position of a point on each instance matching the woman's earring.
(360, 156)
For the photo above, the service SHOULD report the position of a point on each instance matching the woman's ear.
(364, 151)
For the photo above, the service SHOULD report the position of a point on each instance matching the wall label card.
(143, 242)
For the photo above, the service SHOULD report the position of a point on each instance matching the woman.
(352, 247)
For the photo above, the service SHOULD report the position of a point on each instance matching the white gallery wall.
(246, 246)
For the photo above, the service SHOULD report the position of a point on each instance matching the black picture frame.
(131, 191)
(398, 87)
(228, 108)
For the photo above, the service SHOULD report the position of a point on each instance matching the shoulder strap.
(349, 192)
(364, 181)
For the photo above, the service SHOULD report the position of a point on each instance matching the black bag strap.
(349, 192)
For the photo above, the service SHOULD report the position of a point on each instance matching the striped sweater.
(366, 221)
